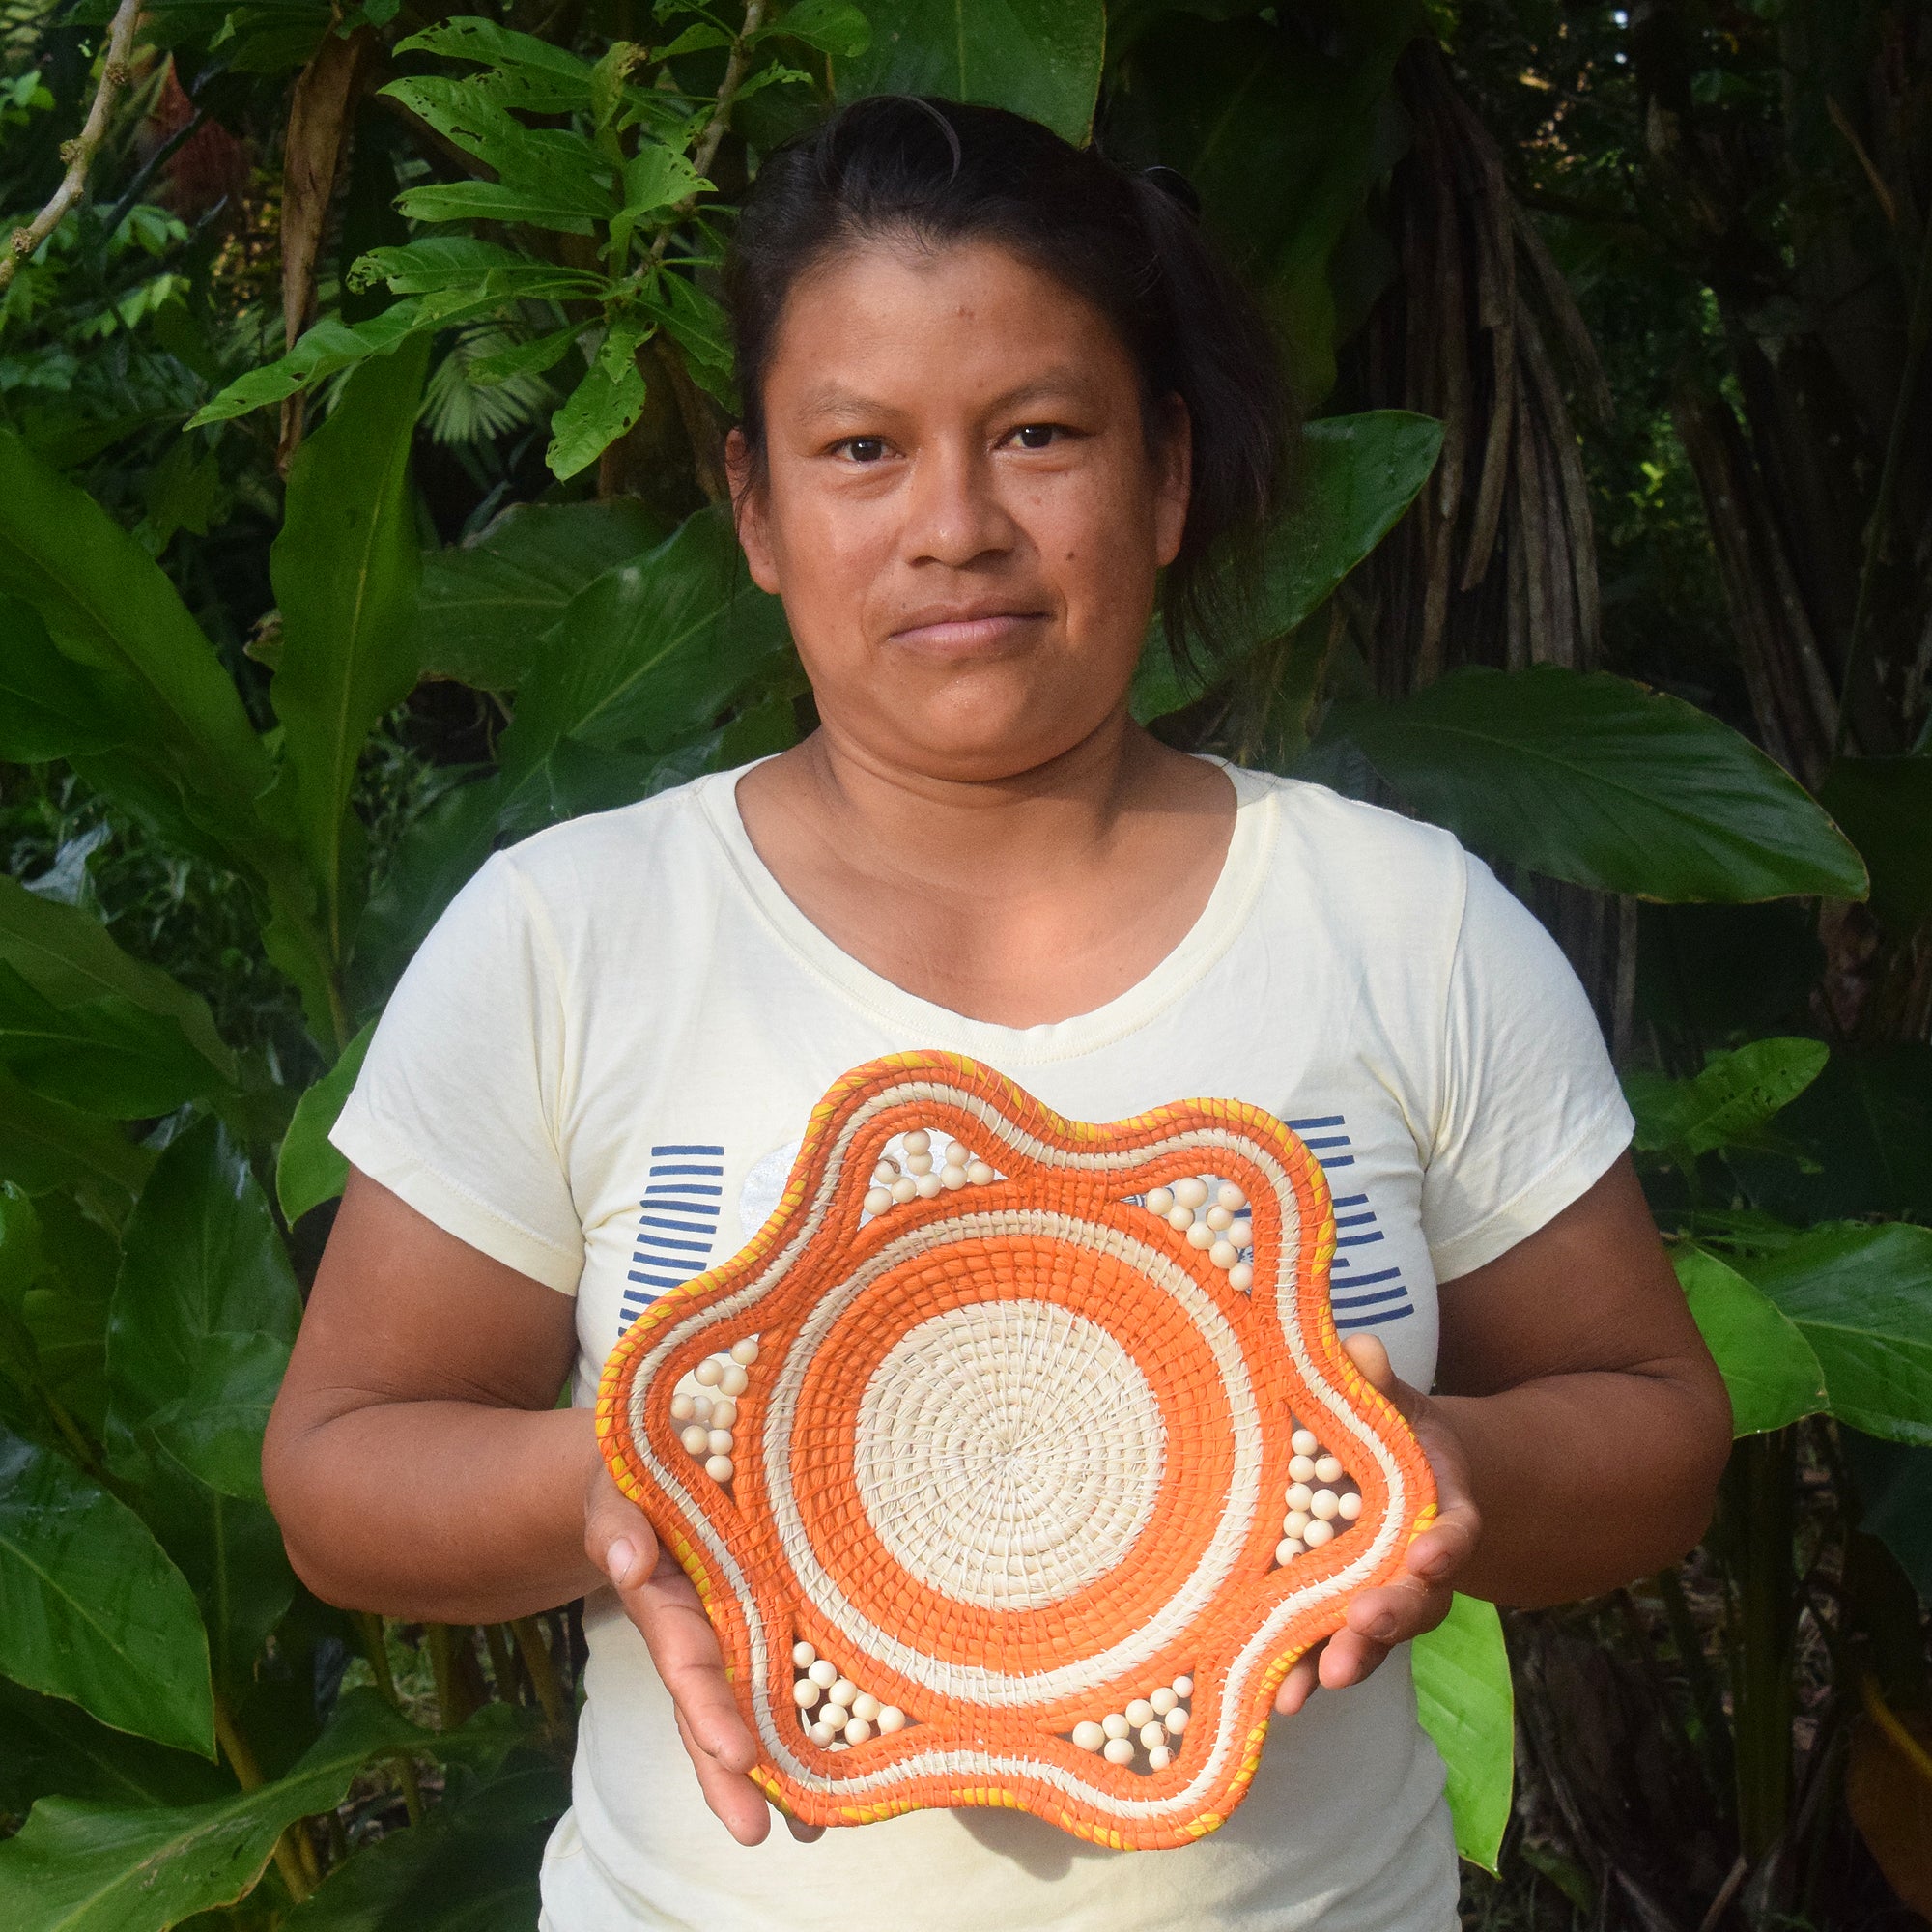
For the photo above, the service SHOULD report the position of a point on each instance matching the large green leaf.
(1862, 1297)
(1593, 779)
(1040, 57)
(45, 1145)
(605, 404)
(1729, 1102)
(345, 569)
(104, 1056)
(81, 1866)
(651, 652)
(157, 680)
(204, 1315)
(48, 1744)
(1466, 1703)
(68, 956)
(1770, 1370)
(527, 72)
(46, 704)
(1358, 476)
(91, 1608)
(1885, 805)
(485, 603)
(309, 1170)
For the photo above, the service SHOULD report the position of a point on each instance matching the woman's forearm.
(448, 1512)
(1586, 1481)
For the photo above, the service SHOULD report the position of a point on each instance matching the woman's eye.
(865, 449)
(1035, 435)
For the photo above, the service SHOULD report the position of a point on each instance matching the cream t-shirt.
(598, 1070)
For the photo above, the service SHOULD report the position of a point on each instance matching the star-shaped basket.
(1016, 1459)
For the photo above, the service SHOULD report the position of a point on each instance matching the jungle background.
(361, 393)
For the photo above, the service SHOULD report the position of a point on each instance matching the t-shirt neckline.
(1215, 928)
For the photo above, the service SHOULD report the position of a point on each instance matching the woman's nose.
(954, 512)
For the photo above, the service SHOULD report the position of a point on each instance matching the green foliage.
(1466, 1703)
(309, 1170)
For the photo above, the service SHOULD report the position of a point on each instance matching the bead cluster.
(1212, 1217)
(706, 1415)
(918, 1174)
(1322, 1499)
(1154, 1725)
(834, 1712)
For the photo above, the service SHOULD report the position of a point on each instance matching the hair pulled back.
(935, 173)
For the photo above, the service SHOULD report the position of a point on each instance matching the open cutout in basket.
(1017, 1459)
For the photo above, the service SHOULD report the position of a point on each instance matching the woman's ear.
(748, 511)
(1174, 478)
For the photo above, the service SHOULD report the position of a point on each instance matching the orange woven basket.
(1017, 1459)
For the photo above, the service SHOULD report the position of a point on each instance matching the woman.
(992, 387)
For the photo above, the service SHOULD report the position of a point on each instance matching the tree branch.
(79, 153)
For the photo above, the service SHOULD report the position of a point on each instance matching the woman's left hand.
(1418, 1600)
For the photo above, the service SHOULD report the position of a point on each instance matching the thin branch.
(79, 153)
(709, 142)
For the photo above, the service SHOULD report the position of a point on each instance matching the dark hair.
(939, 172)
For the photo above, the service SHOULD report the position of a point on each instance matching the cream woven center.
(1008, 1452)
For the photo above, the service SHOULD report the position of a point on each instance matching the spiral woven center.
(1008, 1452)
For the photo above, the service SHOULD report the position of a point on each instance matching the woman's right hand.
(661, 1600)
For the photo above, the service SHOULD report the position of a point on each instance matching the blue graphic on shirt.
(1361, 1293)
(677, 1223)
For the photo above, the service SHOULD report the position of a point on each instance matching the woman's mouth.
(966, 633)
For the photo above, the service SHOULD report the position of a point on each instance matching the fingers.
(1298, 1685)
(735, 1800)
(617, 1535)
(668, 1612)
(1369, 1355)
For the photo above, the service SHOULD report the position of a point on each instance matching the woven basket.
(1008, 1463)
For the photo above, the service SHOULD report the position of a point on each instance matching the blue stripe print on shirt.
(677, 1223)
(1388, 1300)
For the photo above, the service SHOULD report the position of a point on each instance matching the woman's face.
(959, 507)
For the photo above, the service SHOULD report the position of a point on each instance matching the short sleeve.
(1530, 1113)
(457, 1106)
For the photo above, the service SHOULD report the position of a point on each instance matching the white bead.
(1118, 1750)
(1153, 1735)
(1230, 1197)
(720, 1442)
(886, 1172)
(857, 1731)
(1242, 1277)
(1219, 1218)
(980, 1174)
(905, 1189)
(891, 1719)
(1183, 1686)
(1242, 1233)
(1139, 1712)
(843, 1692)
(701, 1406)
(734, 1380)
(916, 1143)
(1176, 1720)
(1300, 1469)
(822, 1733)
(1114, 1726)
(918, 1163)
(951, 1178)
(927, 1185)
(1200, 1235)
(1163, 1700)
(958, 1154)
(823, 1672)
(723, 1413)
(1300, 1495)
(718, 1469)
(697, 1439)
(1159, 1758)
(745, 1350)
(805, 1693)
(1318, 1533)
(1178, 1216)
(1349, 1507)
(1160, 1199)
(1327, 1469)
(1294, 1522)
(1288, 1548)
(803, 1655)
(865, 1705)
(1303, 1442)
(680, 1409)
(1089, 1735)
(1190, 1193)
(1223, 1254)
(1326, 1504)
(708, 1371)
(877, 1200)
